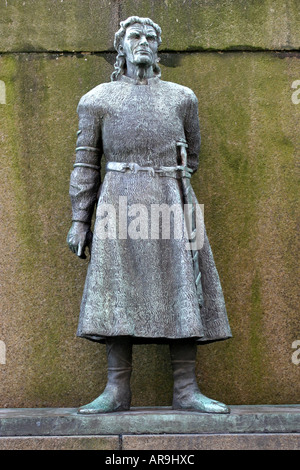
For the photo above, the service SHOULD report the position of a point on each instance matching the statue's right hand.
(79, 237)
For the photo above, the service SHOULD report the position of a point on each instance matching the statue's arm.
(85, 178)
(192, 132)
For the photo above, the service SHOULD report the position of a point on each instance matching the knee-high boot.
(186, 394)
(117, 394)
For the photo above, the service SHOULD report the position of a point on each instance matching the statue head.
(124, 51)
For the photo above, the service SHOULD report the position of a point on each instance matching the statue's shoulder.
(96, 96)
(180, 90)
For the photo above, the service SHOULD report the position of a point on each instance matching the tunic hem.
(151, 340)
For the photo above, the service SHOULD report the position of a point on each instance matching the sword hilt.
(183, 153)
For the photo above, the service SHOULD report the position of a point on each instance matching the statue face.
(140, 44)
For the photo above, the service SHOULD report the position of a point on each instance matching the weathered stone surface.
(246, 428)
(62, 25)
(40, 281)
(59, 25)
(247, 181)
(67, 422)
(196, 442)
(201, 25)
(165, 442)
(60, 443)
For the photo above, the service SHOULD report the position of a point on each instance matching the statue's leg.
(186, 394)
(116, 395)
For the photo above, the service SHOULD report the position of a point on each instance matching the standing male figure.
(141, 289)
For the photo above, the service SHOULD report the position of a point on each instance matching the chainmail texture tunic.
(139, 284)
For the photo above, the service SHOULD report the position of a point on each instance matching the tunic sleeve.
(85, 178)
(192, 133)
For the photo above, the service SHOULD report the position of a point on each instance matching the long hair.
(120, 64)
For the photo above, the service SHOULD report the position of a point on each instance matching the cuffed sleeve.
(192, 132)
(85, 178)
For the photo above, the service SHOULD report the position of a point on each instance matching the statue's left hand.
(80, 237)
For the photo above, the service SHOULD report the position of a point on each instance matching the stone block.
(141, 421)
(74, 25)
(58, 25)
(247, 182)
(197, 442)
(215, 25)
(103, 443)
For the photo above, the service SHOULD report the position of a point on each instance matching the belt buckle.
(135, 167)
(151, 170)
(123, 168)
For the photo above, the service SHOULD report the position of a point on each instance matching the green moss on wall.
(247, 182)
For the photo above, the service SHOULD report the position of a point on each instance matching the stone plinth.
(246, 427)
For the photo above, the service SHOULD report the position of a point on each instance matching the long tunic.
(140, 283)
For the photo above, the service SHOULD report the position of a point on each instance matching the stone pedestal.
(246, 427)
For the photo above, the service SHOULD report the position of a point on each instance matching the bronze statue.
(142, 287)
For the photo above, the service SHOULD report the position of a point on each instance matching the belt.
(168, 171)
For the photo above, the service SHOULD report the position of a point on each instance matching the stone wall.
(242, 60)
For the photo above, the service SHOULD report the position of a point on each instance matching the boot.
(186, 394)
(116, 395)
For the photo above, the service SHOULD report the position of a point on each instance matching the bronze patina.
(141, 285)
